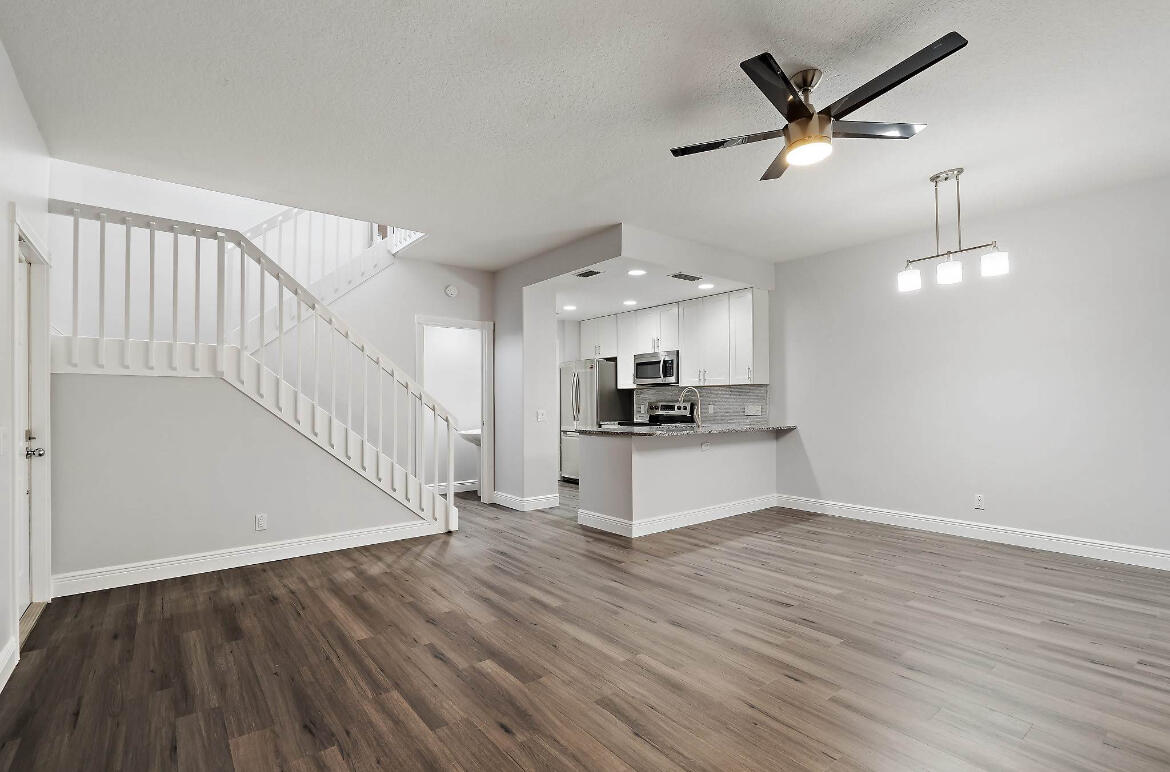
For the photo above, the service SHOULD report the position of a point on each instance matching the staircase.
(329, 255)
(152, 296)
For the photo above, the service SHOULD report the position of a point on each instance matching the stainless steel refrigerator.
(589, 397)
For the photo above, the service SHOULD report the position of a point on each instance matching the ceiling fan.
(808, 136)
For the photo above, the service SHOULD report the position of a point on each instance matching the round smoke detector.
(452, 291)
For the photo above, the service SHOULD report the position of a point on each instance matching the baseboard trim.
(526, 504)
(8, 657)
(1149, 557)
(89, 580)
(646, 526)
(461, 486)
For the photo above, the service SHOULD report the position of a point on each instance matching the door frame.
(487, 441)
(25, 240)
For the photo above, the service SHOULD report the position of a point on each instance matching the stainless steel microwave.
(660, 367)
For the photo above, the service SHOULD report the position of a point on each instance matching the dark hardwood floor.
(775, 640)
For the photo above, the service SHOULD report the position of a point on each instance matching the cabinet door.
(607, 345)
(691, 340)
(742, 349)
(668, 327)
(627, 347)
(647, 330)
(588, 338)
(716, 341)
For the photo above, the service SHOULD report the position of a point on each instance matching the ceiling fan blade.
(876, 129)
(896, 75)
(778, 167)
(717, 144)
(770, 79)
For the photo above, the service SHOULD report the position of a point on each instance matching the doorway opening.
(454, 363)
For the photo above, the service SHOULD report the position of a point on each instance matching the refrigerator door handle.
(576, 396)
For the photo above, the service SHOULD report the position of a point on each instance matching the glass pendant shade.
(909, 280)
(949, 272)
(994, 263)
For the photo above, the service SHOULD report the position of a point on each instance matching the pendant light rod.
(952, 252)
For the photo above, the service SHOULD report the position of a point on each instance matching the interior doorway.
(28, 440)
(454, 363)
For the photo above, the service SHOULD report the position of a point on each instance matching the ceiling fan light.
(808, 150)
(994, 263)
(909, 280)
(949, 272)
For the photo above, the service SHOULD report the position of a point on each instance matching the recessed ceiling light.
(707, 285)
(629, 302)
(636, 272)
(568, 308)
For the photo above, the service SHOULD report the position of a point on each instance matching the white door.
(23, 438)
(716, 341)
(668, 327)
(742, 349)
(690, 342)
(627, 335)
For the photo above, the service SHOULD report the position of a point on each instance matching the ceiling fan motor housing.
(818, 128)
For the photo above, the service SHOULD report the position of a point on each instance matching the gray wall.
(147, 468)
(1045, 390)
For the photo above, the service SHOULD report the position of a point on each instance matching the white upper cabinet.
(646, 330)
(628, 342)
(588, 338)
(599, 337)
(717, 341)
(749, 336)
(668, 327)
(721, 339)
(656, 329)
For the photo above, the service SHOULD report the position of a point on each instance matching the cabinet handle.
(749, 375)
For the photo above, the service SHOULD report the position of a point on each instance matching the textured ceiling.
(503, 129)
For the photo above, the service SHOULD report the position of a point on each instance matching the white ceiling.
(503, 129)
(606, 294)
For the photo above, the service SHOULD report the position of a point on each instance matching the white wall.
(24, 179)
(1045, 390)
(452, 373)
(153, 468)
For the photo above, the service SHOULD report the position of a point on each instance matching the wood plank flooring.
(774, 640)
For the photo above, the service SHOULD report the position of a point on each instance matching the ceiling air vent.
(588, 273)
(685, 277)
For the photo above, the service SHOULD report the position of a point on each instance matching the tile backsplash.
(721, 404)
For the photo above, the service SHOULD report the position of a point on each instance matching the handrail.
(229, 299)
(186, 228)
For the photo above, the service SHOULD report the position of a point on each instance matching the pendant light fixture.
(950, 270)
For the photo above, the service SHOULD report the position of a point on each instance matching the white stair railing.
(316, 372)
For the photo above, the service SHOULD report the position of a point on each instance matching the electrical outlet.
(704, 447)
(978, 501)
(710, 409)
(261, 522)
(540, 415)
(753, 410)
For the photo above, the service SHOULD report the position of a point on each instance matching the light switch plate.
(753, 410)
(540, 415)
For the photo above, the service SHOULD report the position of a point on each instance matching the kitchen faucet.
(698, 403)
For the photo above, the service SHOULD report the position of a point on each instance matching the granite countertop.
(677, 430)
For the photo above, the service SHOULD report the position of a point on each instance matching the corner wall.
(1044, 390)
